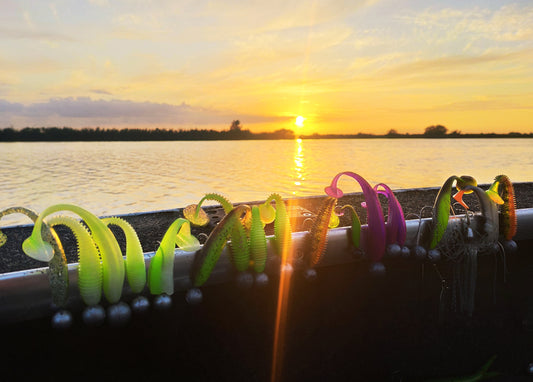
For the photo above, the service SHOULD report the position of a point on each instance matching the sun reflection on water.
(299, 167)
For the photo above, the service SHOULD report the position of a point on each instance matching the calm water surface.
(123, 177)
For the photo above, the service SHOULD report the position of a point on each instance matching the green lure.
(90, 265)
(57, 266)
(135, 266)
(356, 227)
(206, 258)
(197, 216)
(239, 251)
(441, 208)
(161, 269)
(258, 243)
(112, 261)
(282, 223)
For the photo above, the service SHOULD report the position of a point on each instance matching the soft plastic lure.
(508, 224)
(196, 215)
(135, 266)
(396, 228)
(375, 240)
(161, 269)
(90, 265)
(57, 266)
(258, 243)
(441, 208)
(112, 261)
(317, 236)
(206, 258)
(355, 228)
(488, 210)
(239, 251)
(282, 224)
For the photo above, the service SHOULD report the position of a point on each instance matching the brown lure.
(508, 222)
(317, 236)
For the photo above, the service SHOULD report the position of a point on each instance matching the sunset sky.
(344, 66)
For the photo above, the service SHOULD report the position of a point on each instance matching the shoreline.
(151, 226)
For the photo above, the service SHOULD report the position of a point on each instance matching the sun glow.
(299, 121)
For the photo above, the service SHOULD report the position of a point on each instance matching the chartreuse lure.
(206, 258)
(355, 233)
(161, 269)
(258, 243)
(112, 261)
(58, 269)
(282, 223)
(441, 208)
(375, 240)
(135, 266)
(239, 251)
(197, 216)
(90, 270)
(90, 265)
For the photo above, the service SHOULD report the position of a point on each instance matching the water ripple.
(124, 177)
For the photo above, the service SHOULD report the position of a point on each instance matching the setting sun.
(299, 121)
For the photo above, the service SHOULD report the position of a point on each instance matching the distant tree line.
(68, 134)
(434, 131)
(235, 132)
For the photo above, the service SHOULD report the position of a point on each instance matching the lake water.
(123, 177)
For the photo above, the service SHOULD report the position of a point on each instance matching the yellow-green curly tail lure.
(258, 243)
(135, 266)
(161, 270)
(112, 261)
(90, 264)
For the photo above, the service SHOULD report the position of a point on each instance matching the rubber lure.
(356, 227)
(488, 209)
(112, 261)
(57, 266)
(135, 266)
(282, 223)
(90, 265)
(197, 216)
(375, 240)
(441, 208)
(239, 251)
(258, 243)
(396, 228)
(161, 269)
(317, 237)
(508, 224)
(206, 258)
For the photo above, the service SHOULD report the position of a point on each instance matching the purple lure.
(396, 228)
(375, 239)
